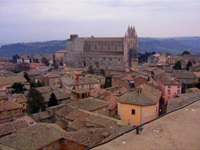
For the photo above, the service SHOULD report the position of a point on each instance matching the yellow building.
(140, 106)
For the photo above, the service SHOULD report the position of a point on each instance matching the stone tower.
(130, 46)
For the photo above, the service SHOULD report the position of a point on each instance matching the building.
(59, 55)
(39, 136)
(61, 96)
(70, 82)
(184, 76)
(8, 81)
(140, 106)
(176, 130)
(52, 80)
(103, 52)
(91, 104)
(25, 58)
(10, 110)
(168, 86)
(130, 80)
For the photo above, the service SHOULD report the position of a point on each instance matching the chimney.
(77, 81)
(139, 90)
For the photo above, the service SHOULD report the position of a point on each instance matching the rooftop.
(89, 104)
(9, 105)
(147, 96)
(183, 74)
(177, 130)
(165, 79)
(12, 79)
(34, 137)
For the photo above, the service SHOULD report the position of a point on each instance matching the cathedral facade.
(102, 52)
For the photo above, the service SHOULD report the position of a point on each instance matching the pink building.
(168, 86)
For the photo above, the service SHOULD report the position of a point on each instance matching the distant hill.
(48, 47)
(170, 45)
(166, 45)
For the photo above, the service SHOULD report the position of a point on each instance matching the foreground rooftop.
(177, 130)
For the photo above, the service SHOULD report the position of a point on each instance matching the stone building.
(102, 52)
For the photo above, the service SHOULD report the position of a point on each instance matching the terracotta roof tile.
(89, 104)
(12, 79)
(34, 137)
(9, 105)
(148, 96)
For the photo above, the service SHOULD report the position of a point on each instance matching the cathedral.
(103, 52)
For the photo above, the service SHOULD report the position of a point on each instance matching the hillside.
(166, 45)
(170, 45)
(49, 47)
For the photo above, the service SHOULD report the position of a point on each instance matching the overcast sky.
(43, 20)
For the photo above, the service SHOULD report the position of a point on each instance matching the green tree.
(14, 58)
(177, 66)
(91, 70)
(39, 84)
(186, 52)
(35, 101)
(102, 72)
(18, 88)
(35, 60)
(26, 76)
(45, 61)
(189, 64)
(108, 82)
(52, 100)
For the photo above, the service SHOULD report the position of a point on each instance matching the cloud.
(51, 19)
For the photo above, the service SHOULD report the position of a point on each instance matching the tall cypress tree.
(189, 64)
(52, 100)
(35, 101)
(177, 66)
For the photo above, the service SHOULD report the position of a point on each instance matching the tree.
(55, 65)
(91, 70)
(52, 100)
(189, 64)
(45, 61)
(102, 72)
(35, 60)
(177, 66)
(35, 101)
(186, 52)
(26, 76)
(108, 82)
(38, 84)
(18, 88)
(14, 58)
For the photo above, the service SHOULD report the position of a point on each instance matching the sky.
(43, 20)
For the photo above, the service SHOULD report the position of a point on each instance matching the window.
(133, 111)
(178, 86)
(65, 142)
(75, 145)
(45, 148)
(169, 91)
(169, 86)
(53, 145)
(178, 92)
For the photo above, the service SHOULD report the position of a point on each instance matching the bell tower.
(130, 46)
